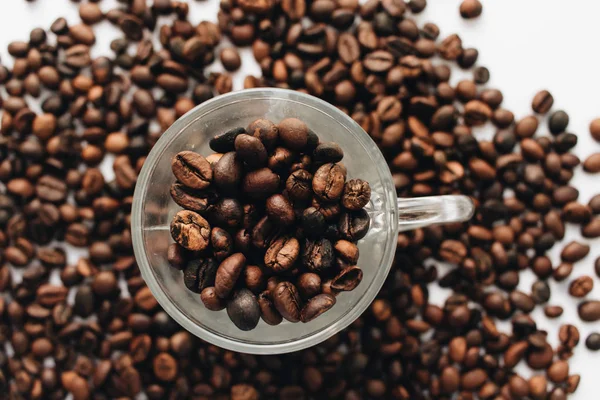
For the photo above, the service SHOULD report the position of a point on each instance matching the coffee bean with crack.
(317, 255)
(190, 230)
(199, 201)
(192, 170)
(268, 312)
(348, 279)
(328, 182)
(199, 273)
(357, 194)
(282, 254)
(287, 301)
(354, 226)
(299, 185)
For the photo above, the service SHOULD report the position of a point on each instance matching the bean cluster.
(273, 207)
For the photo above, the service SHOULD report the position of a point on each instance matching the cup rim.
(140, 195)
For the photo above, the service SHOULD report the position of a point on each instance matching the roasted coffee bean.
(265, 130)
(254, 278)
(228, 273)
(190, 230)
(354, 226)
(348, 279)
(592, 342)
(558, 122)
(470, 9)
(293, 133)
(540, 292)
(592, 229)
(243, 310)
(553, 311)
(199, 274)
(287, 301)
(299, 185)
(574, 251)
(192, 170)
(328, 152)
(250, 150)
(222, 243)
(317, 255)
(199, 201)
(309, 285)
(263, 233)
(357, 194)
(228, 213)
(316, 306)
(260, 183)
(346, 250)
(228, 172)
(542, 102)
(313, 221)
(581, 286)
(592, 163)
(269, 313)
(225, 142)
(328, 182)
(211, 300)
(280, 210)
(282, 254)
(177, 256)
(230, 58)
(589, 311)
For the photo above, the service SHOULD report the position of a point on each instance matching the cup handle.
(418, 212)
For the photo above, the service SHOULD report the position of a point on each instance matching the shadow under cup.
(153, 210)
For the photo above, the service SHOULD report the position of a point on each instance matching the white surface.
(527, 45)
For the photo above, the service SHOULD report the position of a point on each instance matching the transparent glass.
(153, 210)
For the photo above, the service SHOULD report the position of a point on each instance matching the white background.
(528, 45)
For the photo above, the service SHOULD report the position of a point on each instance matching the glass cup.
(153, 210)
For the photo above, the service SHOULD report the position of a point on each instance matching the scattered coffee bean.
(595, 129)
(589, 311)
(581, 286)
(470, 9)
(592, 342)
(592, 163)
(542, 102)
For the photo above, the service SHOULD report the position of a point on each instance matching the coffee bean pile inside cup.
(270, 223)
(89, 326)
